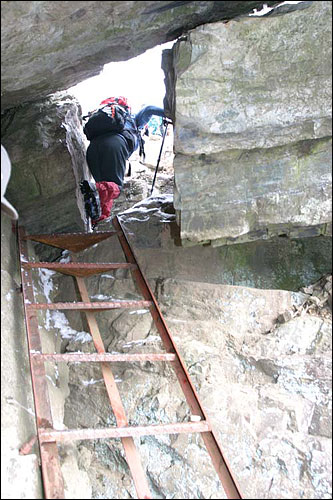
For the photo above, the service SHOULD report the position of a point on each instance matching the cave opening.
(142, 81)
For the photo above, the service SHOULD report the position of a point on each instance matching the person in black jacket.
(107, 155)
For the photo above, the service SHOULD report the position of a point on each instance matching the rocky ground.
(317, 301)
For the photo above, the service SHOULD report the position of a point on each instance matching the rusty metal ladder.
(48, 437)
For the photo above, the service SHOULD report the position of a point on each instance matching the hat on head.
(5, 176)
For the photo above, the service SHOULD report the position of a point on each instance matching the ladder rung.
(107, 357)
(92, 306)
(74, 242)
(47, 436)
(81, 269)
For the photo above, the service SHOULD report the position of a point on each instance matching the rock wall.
(45, 143)
(251, 103)
(20, 474)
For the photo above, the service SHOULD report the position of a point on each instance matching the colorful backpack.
(110, 117)
(121, 101)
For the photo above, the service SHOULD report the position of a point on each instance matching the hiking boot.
(91, 199)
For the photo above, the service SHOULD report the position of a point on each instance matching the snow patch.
(66, 257)
(102, 297)
(45, 279)
(139, 311)
(150, 340)
(59, 321)
(51, 380)
(261, 12)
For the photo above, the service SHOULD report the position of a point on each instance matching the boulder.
(253, 127)
(46, 146)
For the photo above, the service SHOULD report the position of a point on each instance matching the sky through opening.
(140, 79)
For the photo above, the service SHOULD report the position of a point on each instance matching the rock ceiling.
(51, 46)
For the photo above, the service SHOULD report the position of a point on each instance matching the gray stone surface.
(20, 475)
(267, 82)
(238, 196)
(253, 126)
(51, 46)
(45, 143)
(279, 263)
(270, 381)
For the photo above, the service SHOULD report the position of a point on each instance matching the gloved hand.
(165, 121)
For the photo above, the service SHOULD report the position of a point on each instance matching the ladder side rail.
(50, 462)
(132, 455)
(178, 364)
(219, 461)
